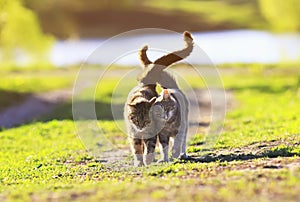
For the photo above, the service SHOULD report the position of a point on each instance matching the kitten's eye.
(156, 107)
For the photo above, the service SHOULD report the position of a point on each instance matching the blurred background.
(64, 32)
(38, 38)
(254, 43)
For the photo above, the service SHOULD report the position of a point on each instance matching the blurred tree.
(282, 15)
(63, 18)
(80, 5)
(20, 34)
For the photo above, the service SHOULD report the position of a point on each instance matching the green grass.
(256, 157)
(268, 109)
(36, 80)
(16, 85)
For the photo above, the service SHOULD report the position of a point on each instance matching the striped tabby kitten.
(172, 106)
(171, 110)
(166, 110)
(143, 125)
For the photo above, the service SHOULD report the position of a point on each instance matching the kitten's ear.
(143, 56)
(137, 101)
(166, 94)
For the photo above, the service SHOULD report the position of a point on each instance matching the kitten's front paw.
(138, 163)
(162, 161)
(175, 155)
(149, 158)
(184, 156)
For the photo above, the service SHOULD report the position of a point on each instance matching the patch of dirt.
(266, 152)
(33, 107)
(199, 123)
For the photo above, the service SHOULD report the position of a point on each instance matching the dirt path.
(33, 107)
(121, 158)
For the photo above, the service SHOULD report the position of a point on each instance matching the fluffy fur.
(143, 128)
(167, 111)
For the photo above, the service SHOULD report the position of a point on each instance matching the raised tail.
(176, 56)
(170, 58)
(153, 72)
(143, 56)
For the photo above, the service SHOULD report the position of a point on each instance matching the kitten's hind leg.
(183, 128)
(164, 147)
(183, 154)
(150, 144)
(137, 151)
(179, 147)
(176, 149)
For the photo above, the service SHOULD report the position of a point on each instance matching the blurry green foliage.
(20, 35)
(79, 5)
(277, 15)
(234, 13)
(282, 15)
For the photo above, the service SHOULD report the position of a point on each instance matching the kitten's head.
(165, 106)
(139, 111)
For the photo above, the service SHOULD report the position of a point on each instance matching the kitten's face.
(165, 106)
(139, 111)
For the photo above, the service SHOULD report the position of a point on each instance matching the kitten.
(142, 128)
(166, 110)
(136, 114)
(171, 110)
(172, 98)
(137, 119)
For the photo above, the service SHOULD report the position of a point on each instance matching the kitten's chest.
(172, 124)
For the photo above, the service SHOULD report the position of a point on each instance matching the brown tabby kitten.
(142, 128)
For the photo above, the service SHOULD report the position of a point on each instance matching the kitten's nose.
(166, 117)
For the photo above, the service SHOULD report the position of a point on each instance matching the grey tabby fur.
(171, 110)
(143, 125)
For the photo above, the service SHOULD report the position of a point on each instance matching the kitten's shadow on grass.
(25, 108)
(102, 109)
(271, 149)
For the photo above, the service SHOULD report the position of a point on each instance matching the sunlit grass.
(36, 81)
(267, 108)
(16, 85)
(47, 160)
